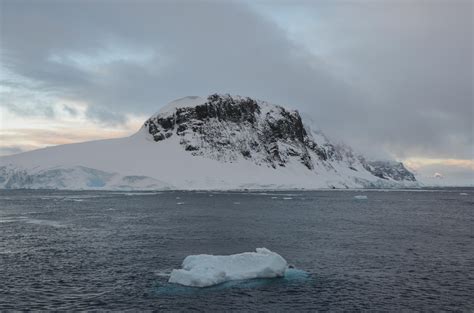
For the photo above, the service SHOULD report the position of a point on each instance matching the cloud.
(34, 109)
(450, 171)
(70, 110)
(25, 139)
(384, 76)
(8, 150)
(413, 61)
(105, 116)
(446, 175)
(192, 48)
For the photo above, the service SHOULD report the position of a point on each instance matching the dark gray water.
(396, 250)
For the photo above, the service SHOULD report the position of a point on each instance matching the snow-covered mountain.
(218, 142)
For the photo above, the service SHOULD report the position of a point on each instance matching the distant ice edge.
(86, 178)
(206, 270)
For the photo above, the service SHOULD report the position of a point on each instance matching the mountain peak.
(215, 100)
(218, 142)
(189, 101)
(235, 129)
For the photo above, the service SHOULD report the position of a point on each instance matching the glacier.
(207, 270)
(74, 178)
(221, 142)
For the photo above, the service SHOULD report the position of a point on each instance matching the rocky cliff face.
(387, 170)
(227, 128)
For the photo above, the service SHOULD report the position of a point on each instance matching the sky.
(393, 79)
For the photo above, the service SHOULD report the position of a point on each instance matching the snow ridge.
(231, 128)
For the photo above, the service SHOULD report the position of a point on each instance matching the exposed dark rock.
(246, 154)
(227, 128)
(158, 137)
(191, 148)
(386, 170)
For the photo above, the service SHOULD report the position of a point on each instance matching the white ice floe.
(287, 198)
(44, 222)
(360, 197)
(463, 194)
(207, 270)
(139, 193)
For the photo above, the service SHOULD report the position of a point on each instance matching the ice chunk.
(207, 270)
(44, 222)
(360, 197)
(463, 194)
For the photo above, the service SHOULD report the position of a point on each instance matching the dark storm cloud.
(406, 82)
(199, 48)
(414, 61)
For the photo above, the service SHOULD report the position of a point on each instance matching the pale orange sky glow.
(29, 133)
(417, 163)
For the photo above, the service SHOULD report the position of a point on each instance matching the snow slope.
(196, 143)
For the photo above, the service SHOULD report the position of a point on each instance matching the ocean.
(409, 250)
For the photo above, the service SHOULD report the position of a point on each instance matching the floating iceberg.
(463, 194)
(207, 270)
(360, 197)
